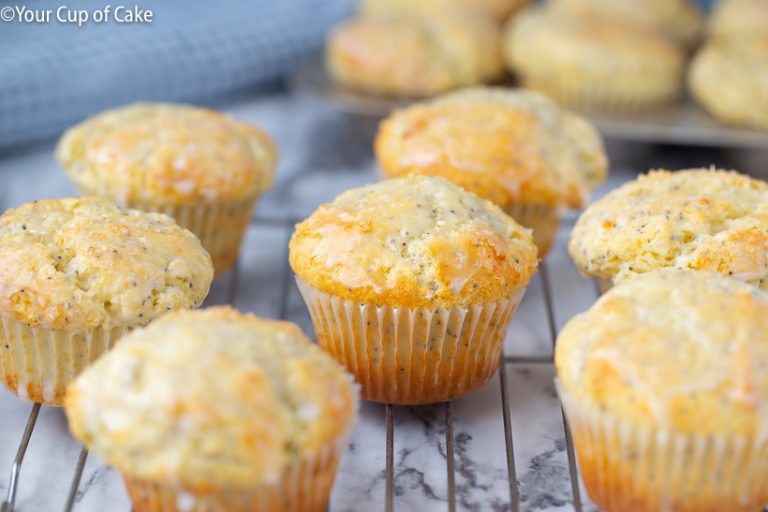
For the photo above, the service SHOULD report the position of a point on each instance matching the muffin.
(738, 19)
(730, 79)
(594, 62)
(411, 284)
(664, 388)
(679, 20)
(698, 219)
(513, 147)
(414, 57)
(498, 10)
(199, 166)
(77, 274)
(215, 410)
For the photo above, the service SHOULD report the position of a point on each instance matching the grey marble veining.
(322, 154)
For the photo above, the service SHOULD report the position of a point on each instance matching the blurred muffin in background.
(594, 62)
(513, 147)
(738, 19)
(729, 77)
(415, 57)
(696, 219)
(214, 410)
(498, 10)
(664, 386)
(680, 20)
(197, 165)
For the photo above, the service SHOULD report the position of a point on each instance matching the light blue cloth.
(54, 74)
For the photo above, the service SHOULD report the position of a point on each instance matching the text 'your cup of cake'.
(411, 284)
(199, 166)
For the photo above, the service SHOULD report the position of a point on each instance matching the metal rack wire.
(389, 506)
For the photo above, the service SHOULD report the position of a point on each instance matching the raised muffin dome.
(508, 146)
(211, 398)
(413, 241)
(164, 153)
(79, 263)
(699, 219)
(674, 349)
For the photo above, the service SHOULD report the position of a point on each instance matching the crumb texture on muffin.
(79, 263)
(413, 241)
(498, 10)
(672, 349)
(738, 19)
(415, 56)
(211, 398)
(700, 219)
(594, 62)
(168, 154)
(508, 146)
(730, 79)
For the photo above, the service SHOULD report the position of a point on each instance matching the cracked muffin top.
(700, 219)
(673, 349)
(211, 397)
(168, 154)
(80, 263)
(415, 57)
(415, 241)
(508, 146)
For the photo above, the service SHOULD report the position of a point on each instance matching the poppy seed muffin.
(664, 386)
(411, 284)
(218, 410)
(699, 219)
(594, 62)
(730, 79)
(498, 10)
(679, 20)
(199, 166)
(513, 147)
(414, 57)
(76, 274)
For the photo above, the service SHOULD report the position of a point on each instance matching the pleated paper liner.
(220, 227)
(304, 487)
(411, 355)
(37, 363)
(633, 468)
(543, 219)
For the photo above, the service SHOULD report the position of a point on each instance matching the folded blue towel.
(55, 73)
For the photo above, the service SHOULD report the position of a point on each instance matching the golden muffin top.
(508, 146)
(700, 219)
(211, 398)
(80, 263)
(680, 20)
(498, 10)
(551, 36)
(413, 242)
(672, 349)
(415, 57)
(739, 19)
(168, 154)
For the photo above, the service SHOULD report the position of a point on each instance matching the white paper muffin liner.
(219, 226)
(543, 219)
(37, 363)
(304, 486)
(629, 467)
(405, 355)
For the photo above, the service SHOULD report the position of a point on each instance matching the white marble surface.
(324, 153)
